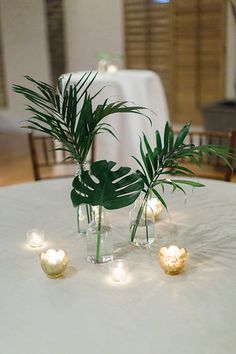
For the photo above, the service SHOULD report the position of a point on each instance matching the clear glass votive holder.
(119, 271)
(35, 238)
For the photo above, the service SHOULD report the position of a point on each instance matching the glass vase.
(84, 217)
(142, 223)
(99, 238)
(84, 211)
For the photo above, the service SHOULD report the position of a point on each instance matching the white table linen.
(141, 87)
(85, 312)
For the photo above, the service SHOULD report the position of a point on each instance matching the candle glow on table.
(35, 238)
(118, 271)
(172, 259)
(154, 206)
(53, 262)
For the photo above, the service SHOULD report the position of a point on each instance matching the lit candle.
(118, 271)
(112, 69)
(35, 238)
(102, 66)
(154, 206)
(53, 262)
(172, 259)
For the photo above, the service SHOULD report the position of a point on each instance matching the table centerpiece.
(104, 188)
(67, 115)
(166, 159)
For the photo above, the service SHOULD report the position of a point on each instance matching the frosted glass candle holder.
(53, 262)
(119, 271)
(35, 238)
(172, 259)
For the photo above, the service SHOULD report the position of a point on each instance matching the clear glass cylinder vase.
(142, 223)
(84, 217)
(84, 211)
(99, 238)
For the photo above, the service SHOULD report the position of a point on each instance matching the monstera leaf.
(107, 188)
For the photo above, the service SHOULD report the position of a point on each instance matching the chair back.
(220, 168)
(50, 163)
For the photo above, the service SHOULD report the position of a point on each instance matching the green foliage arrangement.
(166, 158)
(67, 113)
(111, 189)
(105, 187)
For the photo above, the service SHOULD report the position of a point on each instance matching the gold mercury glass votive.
(172, 259)
(53, 262)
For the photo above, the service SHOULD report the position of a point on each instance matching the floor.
(15, 162)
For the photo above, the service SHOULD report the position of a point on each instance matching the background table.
(193, 312)
(141, 87)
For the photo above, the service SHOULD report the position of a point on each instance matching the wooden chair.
(48, 163)
(212, 167)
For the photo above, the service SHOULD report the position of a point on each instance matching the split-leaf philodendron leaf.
(112, 189)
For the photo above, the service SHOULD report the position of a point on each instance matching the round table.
(85, 312)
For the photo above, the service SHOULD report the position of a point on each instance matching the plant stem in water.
(146, 225)
(89, 212)
(98, 242)
(137, 221)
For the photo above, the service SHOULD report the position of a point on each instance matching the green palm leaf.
(112, 189)
(166, 157)
(67, 114)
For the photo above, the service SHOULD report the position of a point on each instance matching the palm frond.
(67, 114)
(166, 158)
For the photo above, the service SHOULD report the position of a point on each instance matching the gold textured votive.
(53, 262)
(172, 259)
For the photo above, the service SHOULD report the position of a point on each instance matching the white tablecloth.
(141, 87)
(191, 313)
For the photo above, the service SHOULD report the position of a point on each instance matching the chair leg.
(33, 155)
(232, 141)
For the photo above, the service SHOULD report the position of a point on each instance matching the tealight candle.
(53, 262)
(112, 69)
(172, 259)
(102, 66)
(35, 238)
(154, 206)
(118, 271)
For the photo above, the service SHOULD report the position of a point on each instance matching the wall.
(25, 51)
(92, 26)
(230, 55)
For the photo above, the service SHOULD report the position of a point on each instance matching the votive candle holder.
(172, 259)
(35, 238)
(119, 271)
(53, 262)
